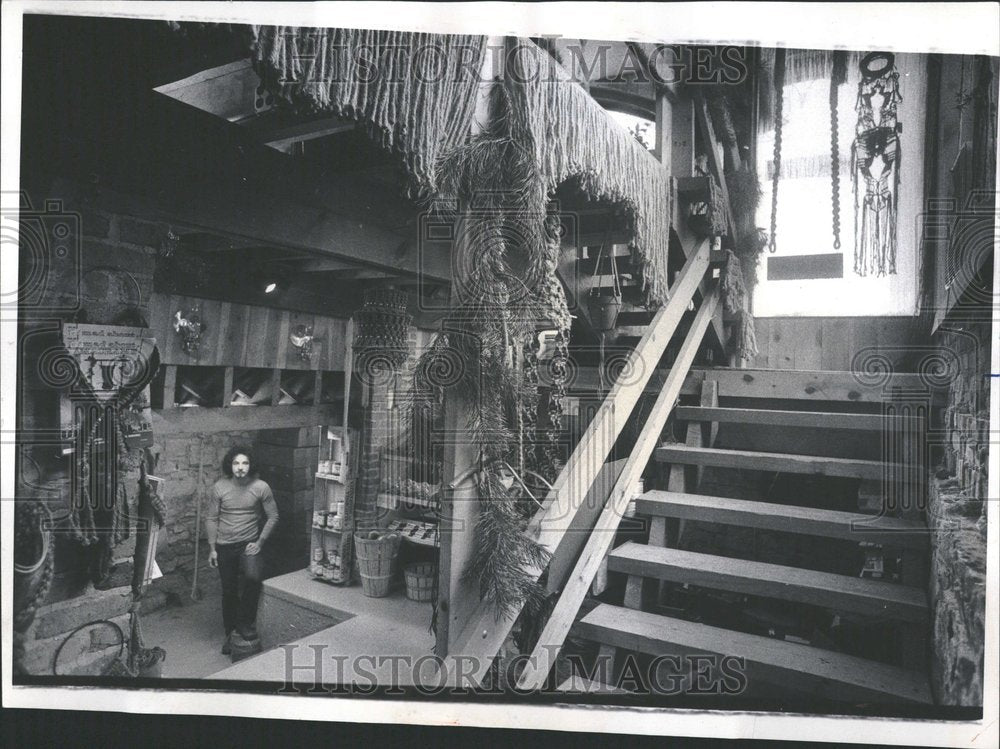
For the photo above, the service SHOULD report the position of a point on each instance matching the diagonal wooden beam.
(705, 126)
(557, 628)
(483, 634)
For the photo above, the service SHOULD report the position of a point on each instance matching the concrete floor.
(379, 641)
(191, 634)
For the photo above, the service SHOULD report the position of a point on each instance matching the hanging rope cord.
(837, 77)
(779, 100)
(617, 291)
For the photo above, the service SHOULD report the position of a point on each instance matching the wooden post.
(227, 387)
(275, 386)
(458, 597)
(169, 386)
(664, 131)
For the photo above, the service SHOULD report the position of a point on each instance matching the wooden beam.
(171, 421)
(274, 221)
(561, 564)
(280, 137)
(705, 125)
(561, 619)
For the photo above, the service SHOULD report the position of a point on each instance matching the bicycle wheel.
(89, 650)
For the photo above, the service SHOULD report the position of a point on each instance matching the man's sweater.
(235, 509)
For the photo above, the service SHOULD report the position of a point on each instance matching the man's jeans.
(239, 606)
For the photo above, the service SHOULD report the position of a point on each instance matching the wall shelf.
(252, 386)
(198, 387)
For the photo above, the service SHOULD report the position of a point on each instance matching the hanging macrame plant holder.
(875, 159)
(383, 328)
(604, 308)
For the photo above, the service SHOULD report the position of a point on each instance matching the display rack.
(333, 507)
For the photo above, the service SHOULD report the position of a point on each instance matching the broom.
(195, 589)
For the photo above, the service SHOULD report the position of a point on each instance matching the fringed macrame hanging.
(875, 162)
(574, 139)
(734, 291)
(744, 340)
(414, 103)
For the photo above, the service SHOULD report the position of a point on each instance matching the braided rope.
(779, 101)
(835, 161)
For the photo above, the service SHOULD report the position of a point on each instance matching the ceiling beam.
(282, 132)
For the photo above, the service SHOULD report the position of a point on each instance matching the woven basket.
(421, 581)
(376, 555)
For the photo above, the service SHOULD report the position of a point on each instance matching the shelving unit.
(333, 507)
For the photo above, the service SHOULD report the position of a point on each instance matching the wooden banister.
(483, 634)
(600, 539)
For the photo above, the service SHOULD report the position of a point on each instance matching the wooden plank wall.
(240, 335)
(830, 343)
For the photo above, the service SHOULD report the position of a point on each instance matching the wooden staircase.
(806, 418)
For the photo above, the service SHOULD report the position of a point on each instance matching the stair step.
(816, 386)
(810, 419)
(789, 518)
(793, 665)
(582, 685)
(780, 462)
(838, 592)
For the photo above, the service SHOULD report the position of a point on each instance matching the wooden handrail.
(599, 542)
(483, 635)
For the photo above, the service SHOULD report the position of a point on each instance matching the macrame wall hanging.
(875, 158)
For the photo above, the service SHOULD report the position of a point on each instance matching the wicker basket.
(376, 555)
(421, 581)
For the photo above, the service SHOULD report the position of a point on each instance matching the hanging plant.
(505, 294)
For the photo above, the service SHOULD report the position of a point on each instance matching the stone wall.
(97, 271)
(189, 464)
(957, 517)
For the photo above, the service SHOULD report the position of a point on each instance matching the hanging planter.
(604, 311)
(604, 308)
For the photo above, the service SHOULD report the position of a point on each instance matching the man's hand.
(252, 548)
(213, 558)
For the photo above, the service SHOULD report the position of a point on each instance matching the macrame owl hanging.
(875, 158)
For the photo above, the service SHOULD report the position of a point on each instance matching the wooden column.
(664, 131)
(458, 597)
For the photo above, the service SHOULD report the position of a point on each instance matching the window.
(807, 275)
